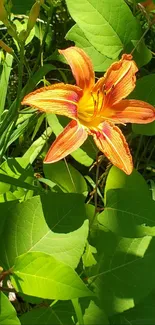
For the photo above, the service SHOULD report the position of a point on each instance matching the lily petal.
(57, 99)
(81, 66)
(119, 81)
(133, 111)
(68, 141)
(113, 144)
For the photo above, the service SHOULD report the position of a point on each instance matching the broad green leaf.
(4, 79)
(86, 154)
(129, 208)
(8, 314)
(108, 25)
(66, 177)
(100, 61)
(128, 213)
(125, 271)
(60, 313)
(144, 90)
(118, 179)
(94, 315)
(43, 276)
(31, 226)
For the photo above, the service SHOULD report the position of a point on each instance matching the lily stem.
(98, 163)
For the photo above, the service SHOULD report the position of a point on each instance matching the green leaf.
(31, 226)
(27, 125)
(61, 313)
(94, 315)
(143, 313)
(144, 90)
(86, 154)
(108, 25)
(100, 61)
(4, 207)
(6, 197)
(41, 275)
(129, 209)
(88, 257)
(42, 71)
(125, 272)
(118, 179)
(16, 176)
(4, 79)
(20, 26)
(128, 213)
(8, 314)
(142, 55)
(37, 146)
(66, 177)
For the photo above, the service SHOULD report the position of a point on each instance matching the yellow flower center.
(91, 110)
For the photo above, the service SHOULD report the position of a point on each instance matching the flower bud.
(3, 14)
(34, 13)
(5, 47)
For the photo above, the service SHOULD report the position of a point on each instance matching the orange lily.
(94, 108)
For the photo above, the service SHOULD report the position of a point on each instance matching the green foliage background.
(76, 237)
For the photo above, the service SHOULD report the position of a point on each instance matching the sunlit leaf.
(42, 275)
(129, 208)
(100, 61)
(33, 225)
(8, 314)
(66, 177)
(108, 25)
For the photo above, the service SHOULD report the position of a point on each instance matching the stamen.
(95, 105)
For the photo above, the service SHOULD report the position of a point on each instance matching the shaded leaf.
(61, 313)
(125, 271)
(66, 177)
(144, 90)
